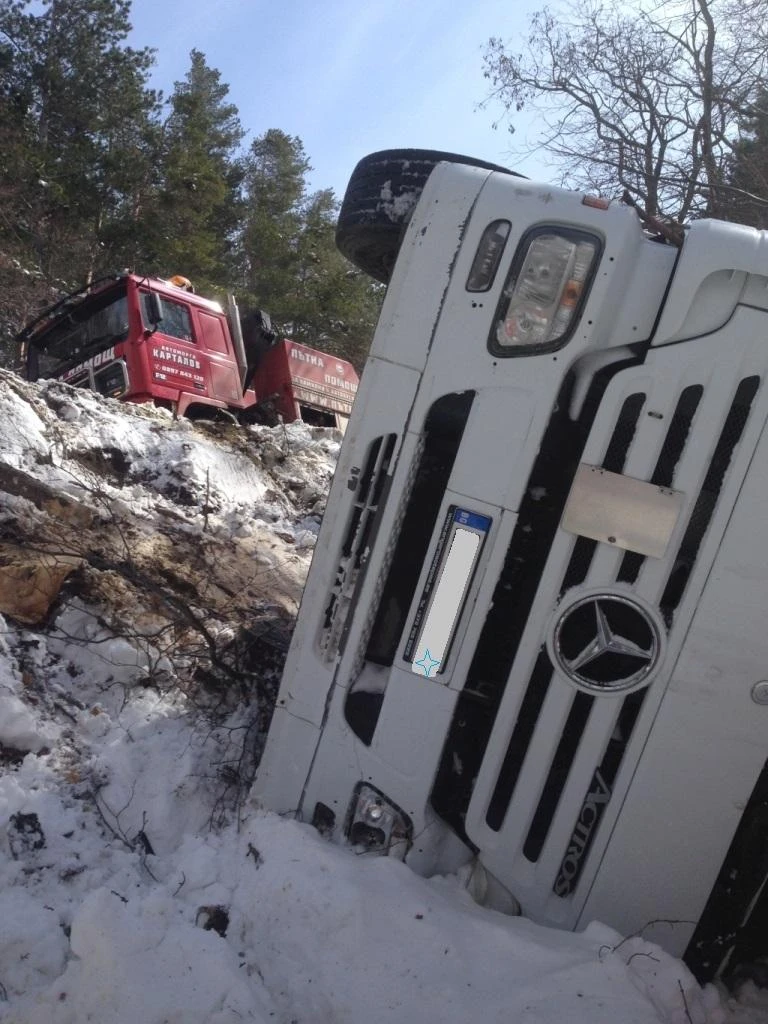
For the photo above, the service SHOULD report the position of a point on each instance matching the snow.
(138, 879)
(396, 207)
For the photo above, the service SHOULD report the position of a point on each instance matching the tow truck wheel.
(382, 192)
(207, 414)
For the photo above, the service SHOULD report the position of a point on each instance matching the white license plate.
(445, 591)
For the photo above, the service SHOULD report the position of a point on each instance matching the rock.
(25, 835)
(30, 582)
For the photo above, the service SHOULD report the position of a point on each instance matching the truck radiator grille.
(478, 705)
(541, 677)
(601, 785)
(479, 701)
(369, 491)
(580, 758)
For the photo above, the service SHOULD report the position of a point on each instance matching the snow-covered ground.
(149, 572)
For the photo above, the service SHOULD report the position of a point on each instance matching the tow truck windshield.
(85, 331)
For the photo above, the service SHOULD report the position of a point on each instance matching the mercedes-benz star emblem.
(606, 643)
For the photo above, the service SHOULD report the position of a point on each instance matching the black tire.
(208, 414)
(382, 192)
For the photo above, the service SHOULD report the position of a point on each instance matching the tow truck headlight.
(377, 824)
(545, 291)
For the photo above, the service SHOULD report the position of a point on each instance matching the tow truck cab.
(149, 340)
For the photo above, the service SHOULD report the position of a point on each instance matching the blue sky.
(347, 77)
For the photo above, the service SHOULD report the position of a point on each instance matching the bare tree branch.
(649, 102)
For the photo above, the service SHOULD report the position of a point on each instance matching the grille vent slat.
(494, 655)
(443, 430)
(355, 544)
(559, 771)
(386, 561)
(703, 510)
(615, 457)
(664, 473)
(623, 433)
(520, 740)
(677, 435)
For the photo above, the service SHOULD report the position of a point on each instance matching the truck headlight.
(545, 290)
(377, 824)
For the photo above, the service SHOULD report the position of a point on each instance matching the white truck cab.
(534, 636)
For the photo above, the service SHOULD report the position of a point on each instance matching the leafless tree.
(647, 102)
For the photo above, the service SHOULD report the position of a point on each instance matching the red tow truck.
(145, 339)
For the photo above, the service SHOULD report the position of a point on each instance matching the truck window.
(87, 330)
(176, 322)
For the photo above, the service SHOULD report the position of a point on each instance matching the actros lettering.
(591, 812)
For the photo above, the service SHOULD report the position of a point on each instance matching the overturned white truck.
(534, 635)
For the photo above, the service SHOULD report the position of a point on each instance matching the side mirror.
(153, 308)
(268, 334)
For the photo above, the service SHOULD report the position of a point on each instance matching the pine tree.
(290, 263)
(86, 109)
(275, 192)
(21, 286)
(192, 227)
(76, 120)
(92, 179)
(335, 306)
